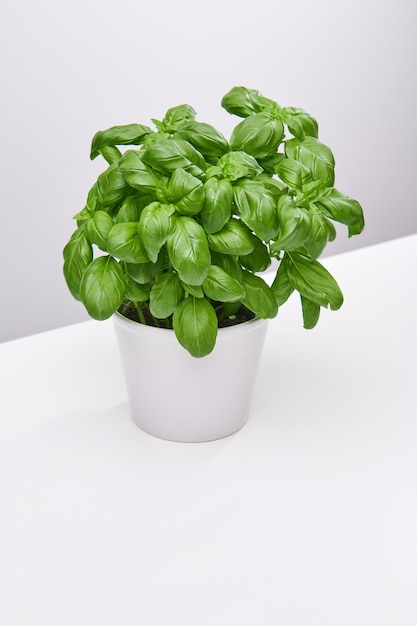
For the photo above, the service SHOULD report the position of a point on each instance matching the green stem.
(140, 313)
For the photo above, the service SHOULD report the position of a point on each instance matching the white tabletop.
(307, 516)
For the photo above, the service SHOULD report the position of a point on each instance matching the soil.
(242, 315)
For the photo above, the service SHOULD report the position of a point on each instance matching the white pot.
(178, 397)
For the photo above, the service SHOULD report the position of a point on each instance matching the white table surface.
(307, 516)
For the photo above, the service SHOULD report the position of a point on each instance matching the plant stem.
(140, 313)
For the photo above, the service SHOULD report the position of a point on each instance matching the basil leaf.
(219, 285)
(269, 164)
(311, 312)
(205, 138)
(167, 292)
(78, 254)
(102, 287)
(132, 208)
(217, 208)
(259, 296)
(312, 280)
(170, 154)
(342, 209)
(300, 123)
(193, 290)
(195, 326)
(235, 165)
(143, 272)
(258, 134)
(257, 208)
(281, 286)
(234, 238)
(293, 173)
(227, 262)
(124, 243)
(258, 260)
(154, 227)
(242, 101)
(110, 153)
(319, 234)
(275, 187)
(294, 225)
(135, 291)
(98, 228)
(315, 156)
(186, 192)
(188, 250)
(176, 117)
(111, 186)
(130, 134)
(136, 173)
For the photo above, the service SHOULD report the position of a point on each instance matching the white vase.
(177, 397)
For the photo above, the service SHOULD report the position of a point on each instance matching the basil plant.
(180, 226)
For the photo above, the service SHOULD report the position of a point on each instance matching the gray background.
(72, 68)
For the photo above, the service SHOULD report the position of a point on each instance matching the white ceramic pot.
(178, 397)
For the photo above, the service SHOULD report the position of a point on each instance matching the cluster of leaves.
(188, 220)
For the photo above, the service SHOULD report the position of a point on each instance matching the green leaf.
(186, 192)
(195, 326)
(143, 272)
(320, 232)
(124, 243)
(136, 291)
(242, 101)
(311, 312)
(130, 134)
(170, 154)
(229, 263)
(300, 123)
(98, 228)
(188, 250)
(193, 290)
(78, 254)
(294, 225)
(257, 208)
(103, 287)
(315, 156)
(177, 116)
(110, 153)
(137, 174)
(234, 238)
(111, 186)
(281, 286)
(258, 134)
(132, 208)
(217, 208)
(259, 297)
(235, 165)
(154, 227)
(167, 292)
(219, 285)
(205, 138)
(274, 186)
(312, 280)
(258, 260)
(293, 173)
(343, 209)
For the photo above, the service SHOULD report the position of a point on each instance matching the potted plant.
(173, 242)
